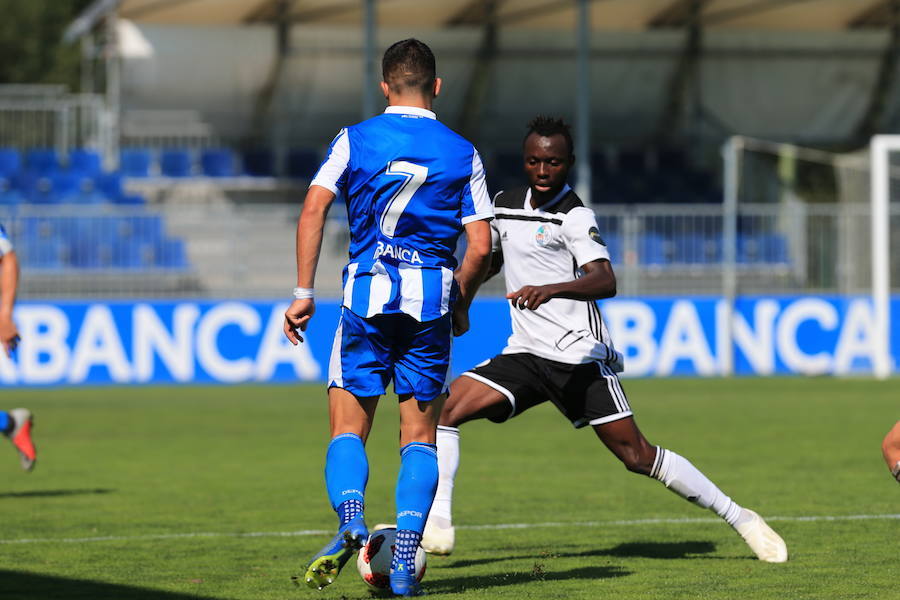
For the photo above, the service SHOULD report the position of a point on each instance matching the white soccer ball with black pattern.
(374, 559)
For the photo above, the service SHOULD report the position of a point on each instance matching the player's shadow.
(55, 493)
(539, 573)
(19, 585)
(664, 550)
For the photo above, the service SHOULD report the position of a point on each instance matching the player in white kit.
(556, 265)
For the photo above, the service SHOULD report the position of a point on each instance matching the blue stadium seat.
(614, 245)
(90, 254)
(135, 162)
(42, 161)
(654, 249)
(39, 229)
(170, 254)
(65, 187)
(302, 163)
(217, 162)
(110, 185)
(146, 228)
(259, 162)
(86, 161)
(42, 254)
(10, 161)
(762, 248)
(131, 254)
(693, 248)
(176, 163)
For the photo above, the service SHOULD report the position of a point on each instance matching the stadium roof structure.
(621, 15)
(579, 18)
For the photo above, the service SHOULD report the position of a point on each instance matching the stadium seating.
(10, 162)
(217, 162)
(42, 161)
(175, 163)
(96, 238)
(259, 162)
(87, 162)
(135, 162)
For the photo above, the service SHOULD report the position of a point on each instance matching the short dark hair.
(546, 126)
(409, 65)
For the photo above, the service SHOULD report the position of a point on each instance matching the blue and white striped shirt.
(5, 243)
(410, 185)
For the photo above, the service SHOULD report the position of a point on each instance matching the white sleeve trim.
(5, 246)
(478, 217)
(334, 166)
(481, 201)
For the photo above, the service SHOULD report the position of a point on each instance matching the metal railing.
(223, 249)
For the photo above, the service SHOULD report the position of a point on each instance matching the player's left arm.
(476, 212)
(9, 282)
(582, 240)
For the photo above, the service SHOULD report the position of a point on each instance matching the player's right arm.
(9, 282)
(310, 228)
(325, 186)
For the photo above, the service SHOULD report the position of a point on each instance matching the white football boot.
(765, 543)
(438, 540)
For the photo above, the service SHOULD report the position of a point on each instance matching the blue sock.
(416, 485)
(346, 475)
(6, 423)
(405, 546)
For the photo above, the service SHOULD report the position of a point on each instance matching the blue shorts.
(369, 353)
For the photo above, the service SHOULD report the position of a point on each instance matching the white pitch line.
(496, 526)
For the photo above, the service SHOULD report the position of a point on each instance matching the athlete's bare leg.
(471, 399)
(418, 420)
(349, 414)
(890, 447)
(625, 440)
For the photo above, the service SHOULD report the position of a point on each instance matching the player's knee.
(635, 459)
(454, 414)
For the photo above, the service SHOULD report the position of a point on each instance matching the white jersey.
(543, 246)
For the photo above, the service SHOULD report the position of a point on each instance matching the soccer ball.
(374, 560)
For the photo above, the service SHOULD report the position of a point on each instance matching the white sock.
(448, 463)
(683, 478)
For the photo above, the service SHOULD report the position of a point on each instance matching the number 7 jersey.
(410, 185)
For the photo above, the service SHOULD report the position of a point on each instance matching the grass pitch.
(210, 492)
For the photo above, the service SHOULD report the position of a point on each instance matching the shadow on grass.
(18, 585)
(668, 550)
(54, 493)
(538, 573)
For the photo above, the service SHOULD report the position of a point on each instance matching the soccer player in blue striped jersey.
(411, 187)
(15, 424)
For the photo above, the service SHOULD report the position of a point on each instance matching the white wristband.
(304, 293)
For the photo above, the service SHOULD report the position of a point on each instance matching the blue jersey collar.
(410, 110)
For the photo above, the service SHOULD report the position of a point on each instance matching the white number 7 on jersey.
(415, 176)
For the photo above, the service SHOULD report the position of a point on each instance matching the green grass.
(132, 463)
